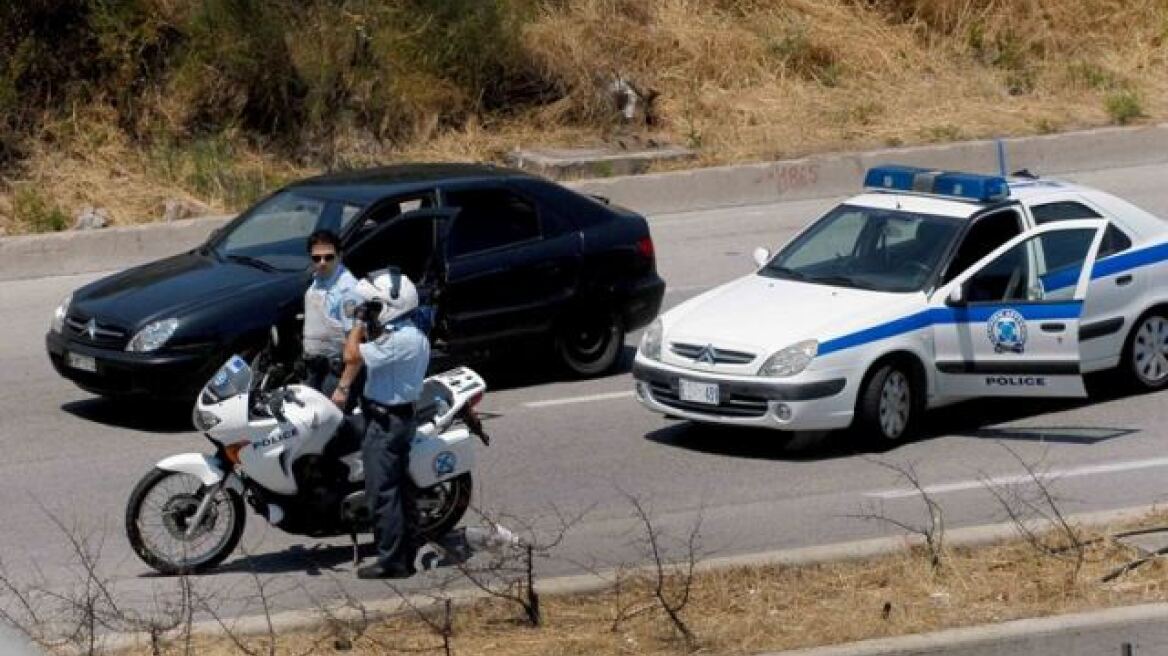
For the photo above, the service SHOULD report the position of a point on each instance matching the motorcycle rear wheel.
(441, 507)
(174, 497)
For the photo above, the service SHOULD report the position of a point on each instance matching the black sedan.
(503, 257)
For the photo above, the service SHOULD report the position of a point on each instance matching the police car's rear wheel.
(1147, 351)
(889, 405)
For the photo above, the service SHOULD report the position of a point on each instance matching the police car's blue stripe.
(932, 316)
(1125, 261)
(1108, 266)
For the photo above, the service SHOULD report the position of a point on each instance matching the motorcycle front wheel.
(442, 506)
(158, 523)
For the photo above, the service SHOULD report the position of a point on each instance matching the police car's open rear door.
(1009, 325)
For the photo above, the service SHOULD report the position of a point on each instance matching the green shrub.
(36, 212)
(1123, 107)
(1094, 76)
(796, 52)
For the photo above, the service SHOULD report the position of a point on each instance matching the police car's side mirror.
(761, 256)
(956, 296)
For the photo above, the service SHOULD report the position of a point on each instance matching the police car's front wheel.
(1146, 354)
(889, 405)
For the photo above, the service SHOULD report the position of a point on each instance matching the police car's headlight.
(57, 325)
(153, 336)
(651, 341)
(791, 360)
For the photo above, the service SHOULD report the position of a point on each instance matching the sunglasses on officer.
(328, 257)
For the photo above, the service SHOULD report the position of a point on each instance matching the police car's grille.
(718, 355)
(730, 405)
(103, 334)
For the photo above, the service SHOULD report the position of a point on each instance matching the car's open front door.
(1009, 325)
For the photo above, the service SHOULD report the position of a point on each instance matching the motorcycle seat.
(434, 400)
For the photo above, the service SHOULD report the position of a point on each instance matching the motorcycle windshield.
(233, 378)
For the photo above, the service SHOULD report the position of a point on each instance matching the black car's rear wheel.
(590, 343)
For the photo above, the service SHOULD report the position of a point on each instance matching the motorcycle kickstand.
(356, 548)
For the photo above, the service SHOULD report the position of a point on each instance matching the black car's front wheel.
(590, 344)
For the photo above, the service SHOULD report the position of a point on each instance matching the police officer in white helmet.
(395, 354)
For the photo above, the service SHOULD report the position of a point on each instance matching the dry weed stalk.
(509, 572)
(1037, 515)
(932, 531)
(673, 603)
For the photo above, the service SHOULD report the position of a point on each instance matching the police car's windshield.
(867, 248)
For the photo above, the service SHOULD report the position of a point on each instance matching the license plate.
(694, 392)
(82, 362)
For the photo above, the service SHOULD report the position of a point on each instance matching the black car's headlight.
(153, 336)
(57, 324)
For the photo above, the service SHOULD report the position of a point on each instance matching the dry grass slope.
(740, 80)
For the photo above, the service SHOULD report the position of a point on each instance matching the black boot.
(391, 571)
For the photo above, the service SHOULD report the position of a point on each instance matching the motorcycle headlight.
(791, 360)
(153, 336)
(57, 324)
(205, 421)
(651, 341)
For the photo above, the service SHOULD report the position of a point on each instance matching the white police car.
(928, 288)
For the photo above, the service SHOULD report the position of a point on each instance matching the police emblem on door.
(1007, 331)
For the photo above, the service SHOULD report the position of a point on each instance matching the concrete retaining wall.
(811, 177)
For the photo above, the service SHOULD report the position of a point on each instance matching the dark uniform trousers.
(386, 454)
(323, 374)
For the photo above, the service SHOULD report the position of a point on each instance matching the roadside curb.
(986, 635)
(585, 583)
(820, 176)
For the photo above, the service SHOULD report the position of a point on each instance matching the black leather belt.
(404, 410)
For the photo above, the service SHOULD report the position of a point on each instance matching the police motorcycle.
(292, 455)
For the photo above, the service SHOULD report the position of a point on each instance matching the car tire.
(1145, 353)
(889, 408)
(590, 344)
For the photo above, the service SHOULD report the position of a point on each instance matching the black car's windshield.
(273, 234)
(867, 248)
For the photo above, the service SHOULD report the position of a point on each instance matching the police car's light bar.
(970, 186)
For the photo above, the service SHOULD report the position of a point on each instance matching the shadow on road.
(516, 371)
(314, 560)
(149, 416)
(975, 419)
(753, 443)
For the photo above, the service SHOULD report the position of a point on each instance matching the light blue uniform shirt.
(325, 335)
(396, 364)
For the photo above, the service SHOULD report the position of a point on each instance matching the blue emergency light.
(969, 186)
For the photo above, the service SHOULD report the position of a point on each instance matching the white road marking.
(579, 399)
(961, 486)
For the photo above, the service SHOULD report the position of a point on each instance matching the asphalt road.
(568, 446)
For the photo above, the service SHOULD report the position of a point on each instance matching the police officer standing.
(395, 355)
(325, 322)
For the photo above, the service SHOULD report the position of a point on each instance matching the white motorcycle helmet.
(393, 289)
